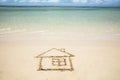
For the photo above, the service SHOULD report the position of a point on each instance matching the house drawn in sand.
(55, 59)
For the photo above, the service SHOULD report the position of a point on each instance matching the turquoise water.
(60, 20)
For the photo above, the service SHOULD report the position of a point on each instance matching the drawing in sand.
(55, 59)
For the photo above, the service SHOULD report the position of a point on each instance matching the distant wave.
(10, 30)
(23, 30)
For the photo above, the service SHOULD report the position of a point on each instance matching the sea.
(79, 23)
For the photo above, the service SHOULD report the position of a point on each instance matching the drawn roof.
(54, 52)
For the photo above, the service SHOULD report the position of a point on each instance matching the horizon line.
(55, 6)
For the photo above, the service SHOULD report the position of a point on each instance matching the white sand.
(94, 59)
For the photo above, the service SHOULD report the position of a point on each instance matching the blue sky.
(62, 2)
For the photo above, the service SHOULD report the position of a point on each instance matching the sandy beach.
(94, 59)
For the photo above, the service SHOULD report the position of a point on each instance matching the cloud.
(37, 1)
(106, 1)
(54, 1)
(76, 1)
(65, 2)
(22, 0)
(99, 1)
(95, 1)
(88, 1)
(80, 1)
(3, 0)
(83, 1)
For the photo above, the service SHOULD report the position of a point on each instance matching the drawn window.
(59, 61)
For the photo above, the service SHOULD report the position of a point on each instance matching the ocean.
(60, 19)
(75, 21)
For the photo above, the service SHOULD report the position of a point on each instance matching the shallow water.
(65, 19)
(59, 22)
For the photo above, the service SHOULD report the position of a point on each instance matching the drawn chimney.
(62, 49)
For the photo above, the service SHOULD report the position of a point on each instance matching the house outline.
(58, 61)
